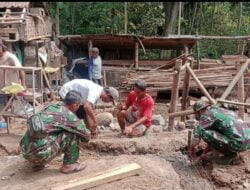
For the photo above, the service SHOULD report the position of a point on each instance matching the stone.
(104, 119)
(180, 125)
(158, 120)
(115, 126)
(246, 185)
(221, 177)
(247, 168)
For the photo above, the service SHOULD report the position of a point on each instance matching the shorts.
(80, 113)
(139, 130)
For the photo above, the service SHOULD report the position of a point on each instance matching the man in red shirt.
(137, 111)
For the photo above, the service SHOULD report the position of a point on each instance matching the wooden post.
(198, 54)
(174, 93)
(200, 85)
(235, 80)
(179, 19)
(34, 91)
(136, 55)
(241, 93)
(90, 46)
(185, 92)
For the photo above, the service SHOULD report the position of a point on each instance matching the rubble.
(158, 120)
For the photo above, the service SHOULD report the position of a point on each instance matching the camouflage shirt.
(57, 119)
(226, 123)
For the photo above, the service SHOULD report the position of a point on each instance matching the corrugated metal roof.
(14, 4)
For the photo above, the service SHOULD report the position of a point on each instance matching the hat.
(2, 44)
(199, 105)
(113, 93)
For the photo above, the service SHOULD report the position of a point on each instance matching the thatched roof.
(14, 4)
(128, 41)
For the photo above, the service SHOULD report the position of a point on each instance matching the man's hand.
(128, 130)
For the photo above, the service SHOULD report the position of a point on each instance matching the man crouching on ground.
(137, 111)
(56, 130)
(222, 130)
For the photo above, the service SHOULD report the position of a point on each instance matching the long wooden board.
(107, 176)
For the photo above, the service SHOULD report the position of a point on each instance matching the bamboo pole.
(200, 85)
(232, 102)
(174, 93)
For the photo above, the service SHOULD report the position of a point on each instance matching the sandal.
(72, 168)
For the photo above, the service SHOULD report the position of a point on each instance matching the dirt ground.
(161, 156)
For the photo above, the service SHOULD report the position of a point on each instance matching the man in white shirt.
(9, 59)
(90, 93)
(95, 66)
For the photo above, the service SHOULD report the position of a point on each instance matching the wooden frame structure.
(238, 79)
(31, 96)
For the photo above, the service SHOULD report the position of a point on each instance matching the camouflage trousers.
(220, 142)
(42, 151)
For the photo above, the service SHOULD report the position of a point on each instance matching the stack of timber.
(163, 79)
(209, 63)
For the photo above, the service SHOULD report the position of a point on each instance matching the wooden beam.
(136, 55)
(235, 80)
(224, 37)
(200, 85)
(174, 93)
(100, 178)
(232, 102)
(241, 93)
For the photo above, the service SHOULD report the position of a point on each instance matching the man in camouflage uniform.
(63, 133)
(222, 130)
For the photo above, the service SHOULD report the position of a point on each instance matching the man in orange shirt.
(137, 111)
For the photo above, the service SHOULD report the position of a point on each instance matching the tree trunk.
(57, 33)
(125, 18)
(192, 23)
(179, 19)
(73, 18)
(171, 11)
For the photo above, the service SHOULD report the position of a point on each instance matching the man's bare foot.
(72, 168)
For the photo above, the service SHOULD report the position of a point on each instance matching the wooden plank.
(8, 30)
(235, 80)
(174, 93)
(20, 68)
(200, 85)
(100, 178)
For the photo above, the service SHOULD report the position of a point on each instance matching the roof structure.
(14, 4)
(128, 41)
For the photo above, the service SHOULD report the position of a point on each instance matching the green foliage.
(145, 18)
